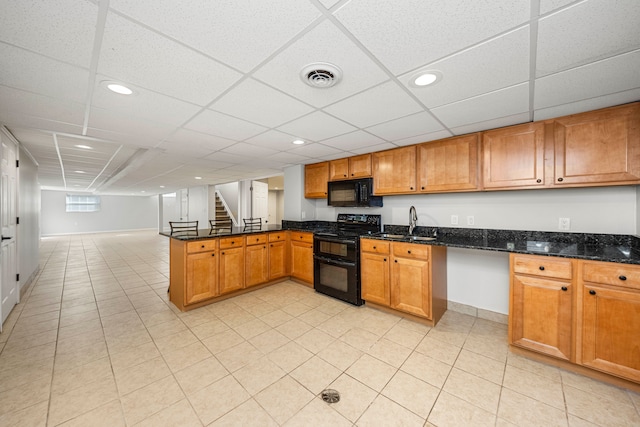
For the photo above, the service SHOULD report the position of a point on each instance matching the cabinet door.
(302, 261)
(231, 270)
(277, 260)
(540, 315)
(339, 169)
(394, 171)
(257, 264)
(202, 274)
(315, 180)
(410, 286)
(514, 157)
(360, 166)
(374, 269)
(610, 322)
(598, 147)
(448, 165)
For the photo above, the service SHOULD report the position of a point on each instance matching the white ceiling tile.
(586, 32)
(273, 139)
(220, 28)
(316, 126)
(489, 66)
(609, 76)
(376, 105)
(374, 148)
(22, 102)
(253, 151)
(235, 159)
(491, 124)
(316, 150)
(352, 141)
(587, 104)
(144, 104)
(24, 70)
(194, 142)
(130, 130)
(61, 29)
(405, 127)
(494, 105)
(547, 6)
(320, 45)
(28, 121)
(329, 3)
(214, 123)
(417, 139)
(406, 34)
(136, 55)
(288, 158)
(268, 107)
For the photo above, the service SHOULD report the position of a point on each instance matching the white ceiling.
(218, 92)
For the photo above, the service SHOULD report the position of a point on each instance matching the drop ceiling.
(218, 93)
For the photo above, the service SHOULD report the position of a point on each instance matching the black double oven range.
(336, 256)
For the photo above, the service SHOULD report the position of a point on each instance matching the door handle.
(6, 238)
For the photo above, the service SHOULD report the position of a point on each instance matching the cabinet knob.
(541, 268)
(385, 260)
(233, 243)
(592, 292)
(538, 180)
(422, 188)
(213, 254)
(351, 174)
(222, 253)
(560, 179)
(622, 277)
(410, 188)
(202, 246)
(264, 247)
(374, 247)
(564, 288)
(345, 175)
(408, 252)
(257, 239)
(395, 260)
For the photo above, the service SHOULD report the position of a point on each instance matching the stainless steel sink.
(421, 238)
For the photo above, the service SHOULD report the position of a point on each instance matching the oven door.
(338, 279)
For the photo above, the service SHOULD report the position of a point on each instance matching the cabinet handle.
(560, 179)
(622, 277)
(541, 268)
(538, 180)
(592, 292)
(564, 288)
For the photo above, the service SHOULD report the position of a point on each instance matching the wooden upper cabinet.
(449, 165)
(394, 171)
(514, 156)
(598, 148)
(350, 168)
(316, 177)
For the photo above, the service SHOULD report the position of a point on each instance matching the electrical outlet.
(564, 224)
(471, 220)
(454, 219)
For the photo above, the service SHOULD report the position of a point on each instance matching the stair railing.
(226, 207)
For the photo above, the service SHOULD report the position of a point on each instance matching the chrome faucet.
(413, 217)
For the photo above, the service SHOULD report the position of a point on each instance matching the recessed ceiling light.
(79, 171)
(298, 142)
(143, 191)
(86, 147)
(162, 186)
(118, 88)
(198, 177)
(425, 78)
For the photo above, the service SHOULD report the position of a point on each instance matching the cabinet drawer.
(256, 239)
(301, 237)
(543, 266)
(375, 246)
(201, 246)
(411, 250)
(231, 242)
(278, 237)
(611, 274)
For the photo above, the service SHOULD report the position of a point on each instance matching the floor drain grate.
(330, 396)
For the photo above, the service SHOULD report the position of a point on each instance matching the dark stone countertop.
(598, 247)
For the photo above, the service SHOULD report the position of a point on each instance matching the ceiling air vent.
(321, 75)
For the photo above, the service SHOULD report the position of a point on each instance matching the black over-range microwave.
(354, 193)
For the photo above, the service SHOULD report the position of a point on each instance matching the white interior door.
(260, 200)
(184, 205)
(8, 214)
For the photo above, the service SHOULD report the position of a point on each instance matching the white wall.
(199, 205)
(117, 213)
(481, 278)
(296, 207)
(29, 213)
(170, 209)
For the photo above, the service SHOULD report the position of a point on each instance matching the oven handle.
(334, 262)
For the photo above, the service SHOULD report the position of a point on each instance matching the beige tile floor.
(96, 343)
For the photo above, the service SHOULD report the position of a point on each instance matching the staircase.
(221, 211)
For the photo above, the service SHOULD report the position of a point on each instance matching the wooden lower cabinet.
(202, 277)
(257, 264)
(302, 256)
(277, 260)
(407, 277)
(609, 318)
(541, 304)
(231, 276)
